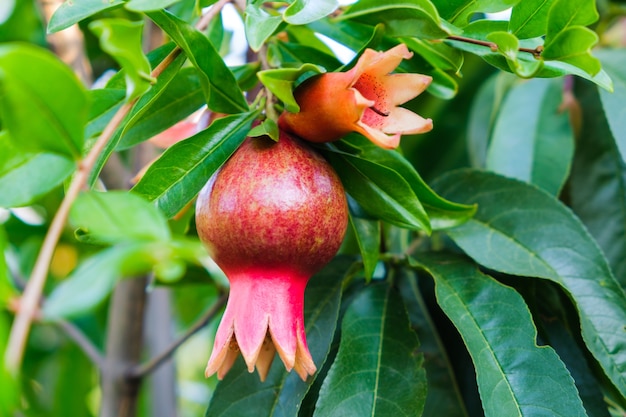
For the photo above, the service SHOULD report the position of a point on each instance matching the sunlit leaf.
(281, 82)
(71, 12)
(529, 18)
(460, 11)
(259, 25)
(148, 5)
(301, 12)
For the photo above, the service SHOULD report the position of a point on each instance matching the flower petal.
(379, 64)
(377, 136)
(400, 88)
(404, 121)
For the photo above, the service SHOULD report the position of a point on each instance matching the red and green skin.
(274, 214)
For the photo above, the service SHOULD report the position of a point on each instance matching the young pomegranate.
(273, 215)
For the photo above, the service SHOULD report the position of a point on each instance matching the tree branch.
(536, 52)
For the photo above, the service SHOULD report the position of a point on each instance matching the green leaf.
(71, 12)
(243, 394)
(508, 46)
(529, 18)
(521, 230)
(9, 394)
(281, 81)
(498, 331)
(301, 12)
(121, 39)
(378, 371)
(564, 14)
(614, 62)
(105, 103)
(598, 180)
(25, 176)
(148, 5)
(93, 280)
(439, 55)
(117, 216)
(267, 128)
(460, 11)
(42, 104)
(368, 236)
(413, 18)
(573, 45)
(7, 291)
(532, 138)
(178, 175)
(259, 25)
(218, 82)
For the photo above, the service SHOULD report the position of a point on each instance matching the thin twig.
(536, 52)
(74, 333)
(204, 21)
(145, 368)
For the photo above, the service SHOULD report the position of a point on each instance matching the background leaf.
(497, 329)
(523, 231)
(71, 12)
(378, 371)
(613, 62)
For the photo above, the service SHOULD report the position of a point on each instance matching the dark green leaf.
(117, 216)
(498, 331)
(614, 62)
(259, 25)
(179, 174)
(598, 181)
(71, 12)
(439, 55)
(148, 5)
(368, 235)
(378, 371)
(532, 138)
(521, 230)
(280, 82)
(301, 12)
(242, 394)
(529, 18)
(219, 84)
(25, 176)
(42, 104)
(121, 39)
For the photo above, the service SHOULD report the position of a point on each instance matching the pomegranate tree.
(271, 217)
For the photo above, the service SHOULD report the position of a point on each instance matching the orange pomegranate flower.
(364, 99)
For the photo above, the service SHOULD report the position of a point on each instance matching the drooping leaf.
(121, 39)
(179, 174)
(243, 394)
(281, 81)
(218, 82)
(598, 180)
(532, 138)
(498, 331)
(26, 176)
(377, 371)
(521, 230)
(301, 12)
(613, 61)
(259, 25)
(117, 216)
(508, 46)
(367, 233)
(529, 18)
(71, 12)
(42, 103)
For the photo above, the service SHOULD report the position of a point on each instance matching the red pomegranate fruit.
(271, 217)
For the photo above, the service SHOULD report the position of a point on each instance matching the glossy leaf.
(218, 82)
(521, 230)
(26, 176)
(614, 61)
(117, 216)
(564, 14)
(508, 46)
(148, 5)
(498, 331)
(183, 169)
(460, 11)
(439, 55)
(529, 18)
(281, 82)
(259, 25)
(377, 371)
(121, 39)
(301, 12)
(42, 104)
(243, 394)
(93, 280)
(532, 138)
(106, 102)
(573, 45)
(368, 234)
(71, 12)
(598, 180)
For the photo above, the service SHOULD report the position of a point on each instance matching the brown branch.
(536, 52)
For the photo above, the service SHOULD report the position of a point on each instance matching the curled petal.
(401, 88)
(406, 122)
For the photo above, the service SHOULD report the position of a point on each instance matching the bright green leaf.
(564, 14)
(42, 103)
(377, 371)
(148, 5)
(267, 128)
(508, 46)
(614, 62)
(242, 394)
(26, 176)
(573, 45)
(532, 138)
(301, 12)
(498, 331)
(521, 230)
(281, 82)
(218, 82)
(259, 25)
(117, 216)
(106, 102)
(121, 39)
(439, 55)
(178, 175)
(529, 18)
(7, 290)
(72, 11)
(459, 12)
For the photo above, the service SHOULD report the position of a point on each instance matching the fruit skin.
(273, 215)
